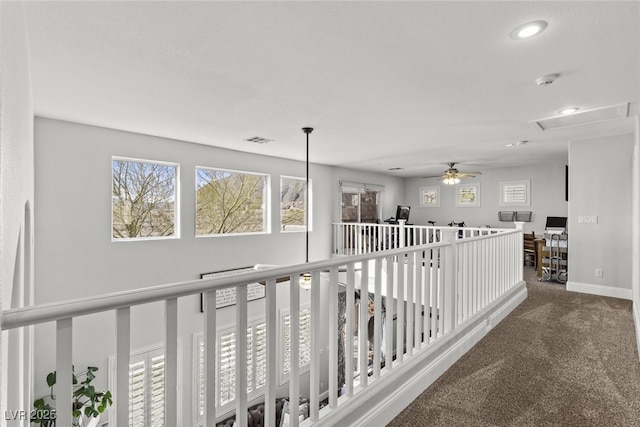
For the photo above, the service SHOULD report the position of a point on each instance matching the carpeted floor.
(559, 359)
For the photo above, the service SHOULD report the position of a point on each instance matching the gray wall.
(76, 257)
(547, 197)
(16, 203)
(600, 171)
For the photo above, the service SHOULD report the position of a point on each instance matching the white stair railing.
(427, 289)
(361, 238)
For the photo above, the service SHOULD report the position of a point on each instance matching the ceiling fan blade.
(433, 176)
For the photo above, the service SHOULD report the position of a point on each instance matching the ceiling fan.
(452, 175)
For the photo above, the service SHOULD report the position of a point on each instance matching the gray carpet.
(559, 359)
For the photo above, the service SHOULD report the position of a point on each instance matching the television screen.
(403, 213)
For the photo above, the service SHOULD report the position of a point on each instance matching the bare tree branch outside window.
(229, 202)
(143, 200)
(292, 204)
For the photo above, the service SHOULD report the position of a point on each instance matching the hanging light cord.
(306, 196)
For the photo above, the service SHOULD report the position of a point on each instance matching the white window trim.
(176, 207)
(266, 203)
(113, 383)
(527, 189)
(309, 206)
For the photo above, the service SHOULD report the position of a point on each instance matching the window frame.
(308, 206)
(526, 183)
(176, 204)
(266, 203)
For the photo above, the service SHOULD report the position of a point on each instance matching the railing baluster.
(428, 296)
(316, 328)
(377, 317)
(400, 308)
(333, 337)
(171, 362)
(241, 355)
(272, 355)
(410, 303)
(64, 370)
(349, 329)
(210, 346)
(363, 342)
(123, 352)
(294, 345)
(419, 268)
(388, 362)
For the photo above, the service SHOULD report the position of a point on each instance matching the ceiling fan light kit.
(452, 176)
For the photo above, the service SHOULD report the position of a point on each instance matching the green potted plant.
(87, 403)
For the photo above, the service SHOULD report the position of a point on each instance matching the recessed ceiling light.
(529, 29)
(569, 110)
(513, 144)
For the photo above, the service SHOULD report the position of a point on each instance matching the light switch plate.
(587, 220)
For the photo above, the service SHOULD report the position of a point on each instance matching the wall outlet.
(598, 272)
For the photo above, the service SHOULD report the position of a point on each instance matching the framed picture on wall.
(227, 297)
(430, 197)
(468, 195)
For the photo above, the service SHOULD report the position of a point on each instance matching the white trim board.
(601, 290)
(636, 320)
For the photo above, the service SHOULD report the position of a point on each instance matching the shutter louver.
(157, 391)
(136, 393)
(304, 341)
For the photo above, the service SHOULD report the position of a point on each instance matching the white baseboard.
(378, 404)
(602, 290)
(636, 320)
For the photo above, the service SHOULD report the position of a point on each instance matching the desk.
(539, 245)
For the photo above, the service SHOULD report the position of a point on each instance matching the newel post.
(450, 278)
(401, 230)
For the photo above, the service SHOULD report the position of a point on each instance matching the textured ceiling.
(385, 84)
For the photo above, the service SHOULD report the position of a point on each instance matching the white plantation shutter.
(514, 193)
(146, 389)
(226, 368)
(260, 345)
(136, 393)
(225, 365)
(304, 340)
(157, 391)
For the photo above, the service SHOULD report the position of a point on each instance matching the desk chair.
(529, 248)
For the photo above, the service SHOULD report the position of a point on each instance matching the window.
(256, 361)
(304, 343)
(360, 202)
(229, 202)
(292, 204)
(226, 366)
(146, 388)
(144, 199)
(514, 193)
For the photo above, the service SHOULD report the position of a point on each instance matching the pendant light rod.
(307, 130)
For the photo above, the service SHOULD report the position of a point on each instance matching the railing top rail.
(370, 224)
(41, 313)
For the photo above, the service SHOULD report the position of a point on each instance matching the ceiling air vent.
(583, 117)
(258, 140)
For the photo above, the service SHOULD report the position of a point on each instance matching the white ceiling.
(385, 84)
